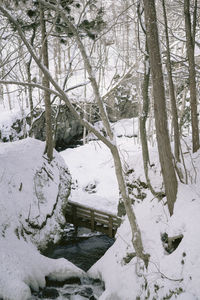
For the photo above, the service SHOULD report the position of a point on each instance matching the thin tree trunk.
(109, 141)
(164, 149)
(142, 122)
(28, 66)
(172, 91)
(144, 113)
(47, 100)
(182, 109)
(192, 74)
(136, 234)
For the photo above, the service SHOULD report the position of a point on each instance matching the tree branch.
(31, 84)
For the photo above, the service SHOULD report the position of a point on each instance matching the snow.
(174, 275)
(8, 118)
(88, 165)
(33, 195)
(30, 181)
(23, 267)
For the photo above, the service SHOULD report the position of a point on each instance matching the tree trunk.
(162, 135)
(28, 66)
(109, 141)
(47, 100)
(136, 234)
(30, 96)
(144, 113)
(172, 92)
(192, 74)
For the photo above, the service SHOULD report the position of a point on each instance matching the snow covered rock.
(23, 268)
(34, 191)
(33, 196)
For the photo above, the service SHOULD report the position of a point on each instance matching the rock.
(92, 298)
(85, 292)
(121, 211)
(121, 102)
(68, 130)
(55, 283)
(50, 293)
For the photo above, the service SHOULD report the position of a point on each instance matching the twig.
(163, 275)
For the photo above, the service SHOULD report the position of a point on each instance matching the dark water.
(82, 248)
(82, 251)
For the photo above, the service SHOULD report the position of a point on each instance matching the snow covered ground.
(169, 276)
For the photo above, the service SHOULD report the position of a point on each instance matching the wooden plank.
(101, 217)
(110, 227)
(82, 210)
(92, 220)
(103, 222)
(90, 208)
(82, 214)
(74, 214)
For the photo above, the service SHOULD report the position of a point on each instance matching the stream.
(83, 248)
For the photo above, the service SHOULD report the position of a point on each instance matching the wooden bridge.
(91, 218)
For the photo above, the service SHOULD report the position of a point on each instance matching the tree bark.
(47, 97)
(144, 114)
(172, 91)
(192, 74)
(162, 135)
(136, 234)
(28, 66)
(109, 141)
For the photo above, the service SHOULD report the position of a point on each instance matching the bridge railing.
(91, 218)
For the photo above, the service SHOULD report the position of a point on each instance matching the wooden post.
(110, 227)
(74, 221)
(92, 220)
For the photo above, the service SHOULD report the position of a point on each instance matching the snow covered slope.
(33, 195)
(174, 275)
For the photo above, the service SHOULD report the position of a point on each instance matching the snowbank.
(169, 276)
(23, 268)
(33, 195)
(93, 175)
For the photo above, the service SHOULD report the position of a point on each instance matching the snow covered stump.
(33, 199)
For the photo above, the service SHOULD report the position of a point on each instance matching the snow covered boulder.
(23, 268)
(33, 196)
(33, 192)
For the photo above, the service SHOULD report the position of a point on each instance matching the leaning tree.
(109, 139)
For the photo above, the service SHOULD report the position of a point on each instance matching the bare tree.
(47, 96)
(164, 149)
(171, 90)
(109, 140)
(28, 66)
(190, 42)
